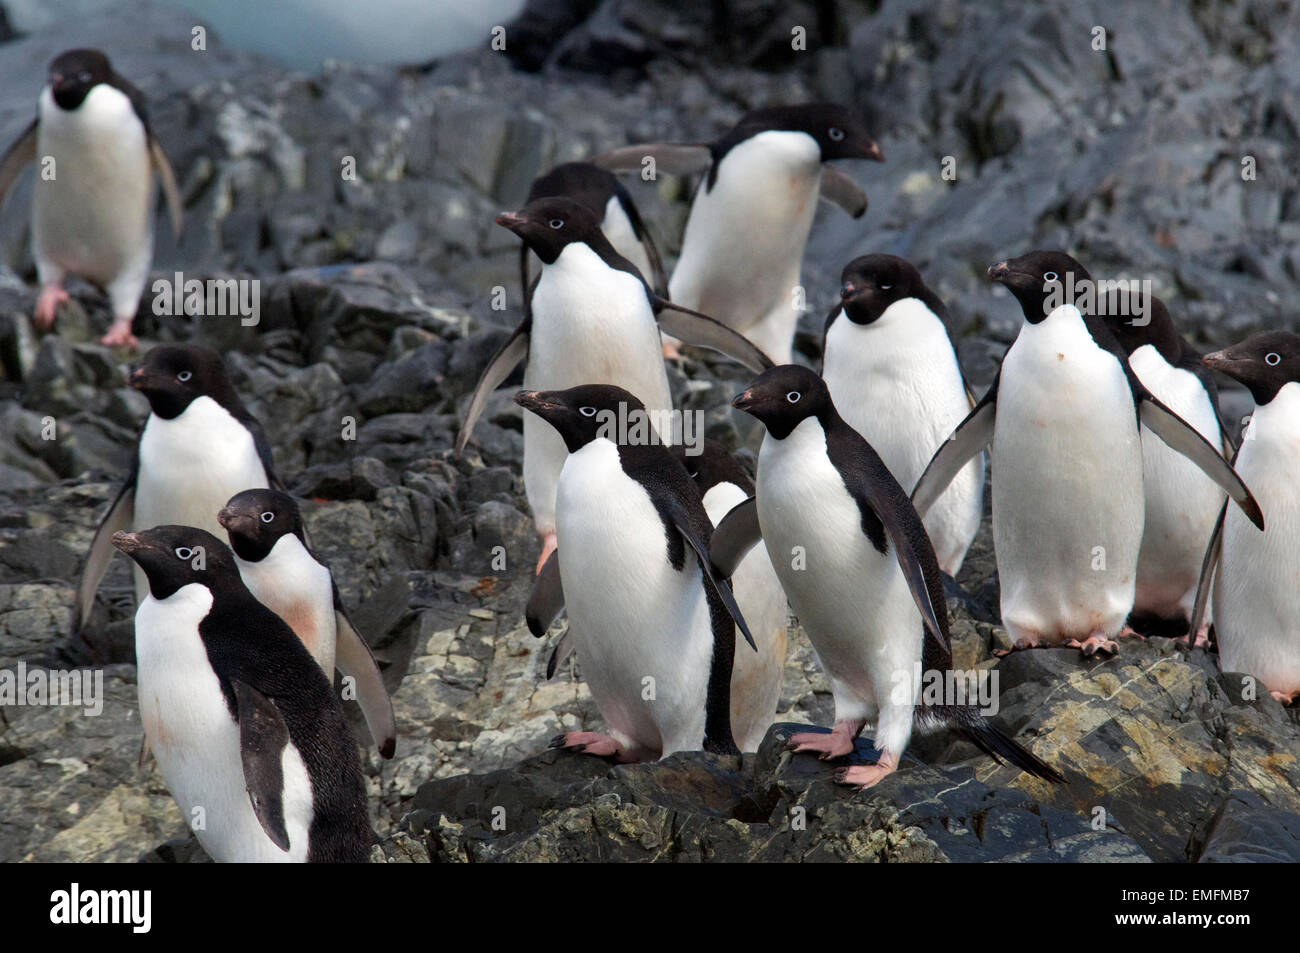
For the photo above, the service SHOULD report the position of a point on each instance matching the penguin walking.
(742, 252)
(591, 319)
(860, 573)
(1181, 503)
(893, 372)
(93, 204)
(246, 729)
(1254, 575)
(269, 542)
(1068, 504)
(652, 624)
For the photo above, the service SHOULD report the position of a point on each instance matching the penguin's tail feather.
(969, 722)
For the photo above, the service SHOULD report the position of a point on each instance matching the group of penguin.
(868, 491)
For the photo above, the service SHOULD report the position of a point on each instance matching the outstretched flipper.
(118, 518)
(263, 736)
(971, 436)
(670, 157)
(168, 180)
(503, 362)
(971, 724)
(838, 189)
(352, 657)
(734, 537)
(692, 327)
(546, 601)
(563, 649)
(20, 152)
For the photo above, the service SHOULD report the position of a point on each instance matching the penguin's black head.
(713, 465)
(588, 185)
(177, 556)
(585, 413)
(548, 225)
(1264, 362)
(256, 519)
(870, 284)
(1042, 281)
(1137, 319)
(75, 73)
(782, 397)
(174, 375)
(838, 133)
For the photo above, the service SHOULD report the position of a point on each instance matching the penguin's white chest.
(290, 583)
(92, 207)
(641, 628)
(1067, 483)
(196, 739)
(1257, 588)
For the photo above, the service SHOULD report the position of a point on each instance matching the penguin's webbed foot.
(1128, 632)
(1022, 644)
(826, 746)
(548, 547)
(863, 776)
(1285, 698)
(47, 304)
(119, 335)
(1094, 644)
(595, 744)
(1202, 639)
(671, 350)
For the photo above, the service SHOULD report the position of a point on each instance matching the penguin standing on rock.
(654, 627)
(1063, 418)
(1255, 576)
(861, 575)
(93, 204)
(893, 373)
(742, 253)
(246, 729)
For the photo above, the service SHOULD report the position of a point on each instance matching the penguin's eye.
(184, 552)
(84, 76)
(587, 411)
(183, 376)
(793, 396)
(556, 223)
(1050, 276)
(268, 516)
(885, 287)
(836, 133)
(1272, 359)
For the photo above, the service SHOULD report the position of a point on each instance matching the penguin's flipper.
(20, 152)
(503, 362)
(563, 649)
(263, 447)
(736, 534)
(352, 657)
(971, 436)
(658, 278)
(692, 327)
(1183, 438)
(262, 739)
(119, 517)
(546, 601)
(711, 579)
(839, 189)
(675, 158)
(1208, 565)
(168, 180)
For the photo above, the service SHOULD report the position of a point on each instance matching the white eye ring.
(84, 76)
(268, 516)
(556, 223)
(184, 552)
(1272, 359)
(1050, 276)
(183, 376)
(587, 411)
(836, 133)
(793, 396)
(885, 287)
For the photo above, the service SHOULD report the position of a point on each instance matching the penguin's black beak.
(233, 520)
(848, 290)
(511, 220)
(1225, 362)
(870, 150)
(745, 400)
(1000, 271)
(129, 543)
(539, 402)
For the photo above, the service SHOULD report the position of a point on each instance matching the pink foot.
(835, 745)
(47, 304)
(1094, 643)
(864, 776)
(672, 352)
(1022, 643)
(119, 335)
(1202, 640)
(1128, 632)
(548, 547)
(592, 743)
(1285, 698)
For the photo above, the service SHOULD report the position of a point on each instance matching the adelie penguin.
(592, 319)
(93, 202)
(270, 546)
(246, 729)
(1182, 503)
(1253, 575)
(653, 626)
(860, 573)
(893, 372)
(1063, 417)
(742, 252)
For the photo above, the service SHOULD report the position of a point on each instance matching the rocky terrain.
(376, 318)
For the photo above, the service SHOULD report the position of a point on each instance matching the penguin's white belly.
(1182, 503)
(300, 591)
(591, 325)
(618, 229)
(897, 382)
(95, 216)
(196, 740)
(1067, 484)
(755, 676)
(1257, 587)
(852, 600)
(742, 251)
(641, 628)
